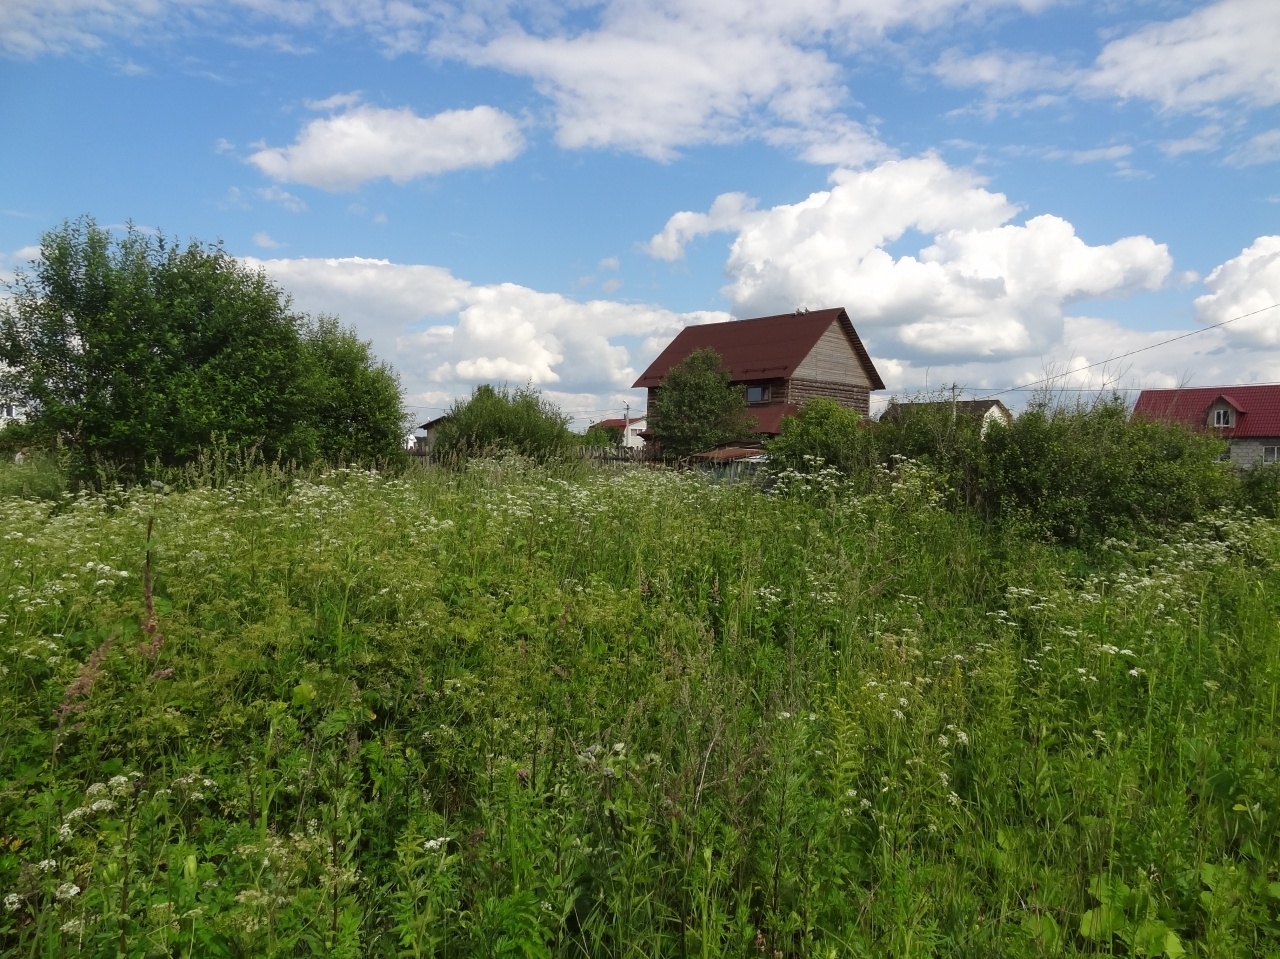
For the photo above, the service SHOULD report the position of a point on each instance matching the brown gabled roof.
(764, 348)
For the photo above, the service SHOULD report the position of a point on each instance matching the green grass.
(507, 712)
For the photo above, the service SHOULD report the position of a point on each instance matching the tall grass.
(506, 711)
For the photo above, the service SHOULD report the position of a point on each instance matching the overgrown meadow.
(515, 712)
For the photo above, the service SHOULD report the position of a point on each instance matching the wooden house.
(1247, 417)
(781, 361)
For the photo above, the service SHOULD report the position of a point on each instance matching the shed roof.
(1258, 407)
(767, 347)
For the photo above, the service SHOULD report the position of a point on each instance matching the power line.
(1141, 349)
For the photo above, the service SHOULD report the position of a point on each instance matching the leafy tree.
(697, 408)
(497, 418)
(352, 398)
(137, 350)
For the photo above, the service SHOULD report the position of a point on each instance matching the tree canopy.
(136, 350)
(697, 408)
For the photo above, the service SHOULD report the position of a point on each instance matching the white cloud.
(1245, 284)
(651, 78)
(446, 335)
(728, 212)
(1100, 153)
(339, 101)
(1225, 51)
(609, 263)
(1003, 73)
(982, 287)
(1263, 148)
(1205, 139)
(264, 240)
(275, 194)
(342, 151)
(1207, 359)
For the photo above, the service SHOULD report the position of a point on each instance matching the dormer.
(1224, 413)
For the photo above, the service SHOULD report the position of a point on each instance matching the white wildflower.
(12, 901)
(45, 865)
(68, 890)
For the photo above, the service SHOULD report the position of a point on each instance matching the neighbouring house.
(630, 430)
(781, 361)
(985, 412)
(428, 433)
(1247, 417)
(10, 412)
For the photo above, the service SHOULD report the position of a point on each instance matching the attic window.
(1221, 417)
(757, 394)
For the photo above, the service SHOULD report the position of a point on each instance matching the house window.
(1269, 454)
(1221, 417)
(757, 394)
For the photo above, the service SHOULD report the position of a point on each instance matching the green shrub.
(602, 436)
(1260, 489)
(1086, 472)
(824, 433)
(497, 418)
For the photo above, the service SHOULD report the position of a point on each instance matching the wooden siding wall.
(854, 397)
(832, 360)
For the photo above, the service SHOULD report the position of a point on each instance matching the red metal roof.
(763, 348)
(618, 423)
(1257, 408)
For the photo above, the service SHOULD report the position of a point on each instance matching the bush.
(824, 433)
(599, 436)
(1260, 489)
(1071, 473)
(495, 419)
(1085, 472)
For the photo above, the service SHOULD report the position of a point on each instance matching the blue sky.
(546, 193)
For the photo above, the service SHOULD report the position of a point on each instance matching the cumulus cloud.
(1246, 284)
(1090, 356)
(362, 143)
(446, 335)
(728, 212)
(981, 287)
(265, 241)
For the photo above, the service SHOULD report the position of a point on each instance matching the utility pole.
(626, 424)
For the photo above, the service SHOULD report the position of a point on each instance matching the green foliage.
(494, 419)
(136, 351)
(509, 710)
(602, 436)
(1082, 473)
(352, 399)
(1260, 488)
(1073, 474)
(824, 433)
(696, 408)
